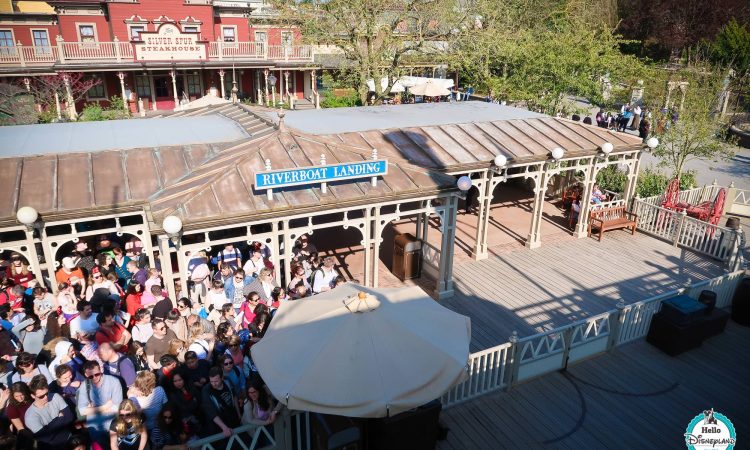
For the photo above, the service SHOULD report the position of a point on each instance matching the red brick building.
(161, 52)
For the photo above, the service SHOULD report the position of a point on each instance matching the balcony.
(65, 53)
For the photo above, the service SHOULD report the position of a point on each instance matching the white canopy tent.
(385, 352)
(407, 81)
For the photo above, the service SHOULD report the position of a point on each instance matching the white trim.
(255, 35)
(162, 19)
(38, 49)
(104, 87)
(194, 25)
(236, 38)
(86, 24)
(136, 24)
(12, 38)
(190, 20)
(136, 19)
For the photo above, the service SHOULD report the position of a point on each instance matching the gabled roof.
(223, 188)
(463, 146)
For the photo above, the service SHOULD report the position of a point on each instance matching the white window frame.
(263, 32)
(136, 25)
(104, 88)
(291, 41)
(234, 31)
(7, 49)
(41, 50)
(80, 36)
(191, 25)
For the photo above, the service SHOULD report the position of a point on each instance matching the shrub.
(612, 179)
(92, 112)
(331, 100)
(652, 183)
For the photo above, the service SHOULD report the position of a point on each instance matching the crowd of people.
(110, 361)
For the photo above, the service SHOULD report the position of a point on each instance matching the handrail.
(205, 443)
(122, 51)
(553, 350)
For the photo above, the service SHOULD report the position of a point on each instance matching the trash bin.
(407, 257)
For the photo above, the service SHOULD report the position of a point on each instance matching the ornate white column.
(259, 95)
(444, 288)
(286, 87)
(539, 178)
(588, 186)
(265, 76)
(316, 96)
(72, 113)
(121, 76)
(174, 88)
(165, 258)
(221, 82)
(634, 167)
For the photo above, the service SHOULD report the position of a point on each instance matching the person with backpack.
(117, 365)
(65, 354)
(230, 256)
(220, 407)
(324, 277)
(98, 399)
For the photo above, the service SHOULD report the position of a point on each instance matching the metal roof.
(223, 187)
(211, 183)
(61, 138)
(342, 120)
(461, 146)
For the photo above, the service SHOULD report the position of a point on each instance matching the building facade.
(157, 54)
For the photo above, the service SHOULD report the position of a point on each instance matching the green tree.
(375, 37)
(696, 130)
(539, 51)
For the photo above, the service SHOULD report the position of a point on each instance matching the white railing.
(237, 50)
(290, 53)
(486, 371)
(607, 204)
(677, 227)
(118, 51)
(691, 196)
(521, 359)
(23, 55)
(291, 431)
(86, 51)
(740, 203)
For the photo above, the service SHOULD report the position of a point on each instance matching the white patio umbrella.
(429, 89)
(361, 352)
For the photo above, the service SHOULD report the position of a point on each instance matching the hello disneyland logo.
(710, 430)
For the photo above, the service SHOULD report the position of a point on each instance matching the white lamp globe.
(501, 160)
(27, 215)
(272, 79)
(172, 224)
(557, 153)
(464, 183)
(607, 148)
(652, 143)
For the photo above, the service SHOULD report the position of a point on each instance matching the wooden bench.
(612, 218)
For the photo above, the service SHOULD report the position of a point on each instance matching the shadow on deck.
(634, 397)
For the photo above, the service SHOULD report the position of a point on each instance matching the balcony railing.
(109, 52)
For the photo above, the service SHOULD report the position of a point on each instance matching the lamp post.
(272, 80)
(172, 225)
(29, 217)
(234, 83)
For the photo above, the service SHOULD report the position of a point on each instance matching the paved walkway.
(535, 290)
(634, 397)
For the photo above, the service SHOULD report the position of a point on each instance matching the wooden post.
(377, 239)
(60, 49)
(165, 256)
(534, 240)
(680, 227)
(615, 325)
(221, 82)
(116, 43)
(513, 363)
(21, 56)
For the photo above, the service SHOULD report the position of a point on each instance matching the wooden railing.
(291, 431)
(119, 51)
(521, 359)
(486, 371)
(677, 227)
(237, 50)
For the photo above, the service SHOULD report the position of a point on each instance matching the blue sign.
(320, 174)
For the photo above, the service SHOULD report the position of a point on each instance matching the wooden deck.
(634, 397)
(535, 290)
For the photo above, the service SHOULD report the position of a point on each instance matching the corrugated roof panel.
(487, 142)
(74, 182)
(523, 139)
(233, 195)
(432, 148)
(450, 145)
(562, 139)
(546, 140)
(109, 179)
(202, 204)
(476, 150)
(197, 154)
(406, 148)
(10, 169)
(141, 173)
(173, 163)
(38, 183)
(513, 146)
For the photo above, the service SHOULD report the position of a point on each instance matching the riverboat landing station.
(286, 178)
